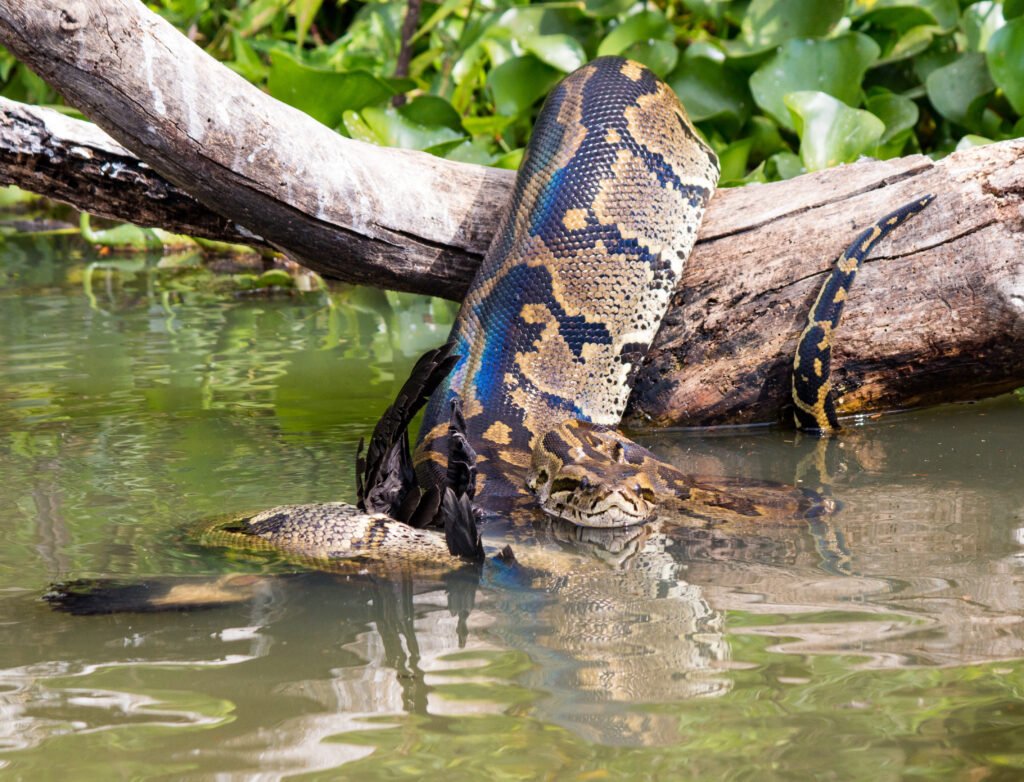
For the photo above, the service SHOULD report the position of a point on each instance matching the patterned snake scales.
(604, 213)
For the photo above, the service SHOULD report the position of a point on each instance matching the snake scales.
(604, 213)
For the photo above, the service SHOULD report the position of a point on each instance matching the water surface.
(885, 643)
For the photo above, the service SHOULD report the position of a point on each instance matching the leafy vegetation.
(778, 86)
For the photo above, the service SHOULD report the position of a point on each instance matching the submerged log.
(937, 315)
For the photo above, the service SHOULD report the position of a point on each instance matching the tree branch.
(937, 314)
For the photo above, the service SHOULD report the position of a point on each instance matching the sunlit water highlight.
(884, 644)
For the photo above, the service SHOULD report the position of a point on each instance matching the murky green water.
(887, 644)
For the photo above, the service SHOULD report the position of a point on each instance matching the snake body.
(603, 216)
(604, 213)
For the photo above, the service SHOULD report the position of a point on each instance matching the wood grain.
(936, 315)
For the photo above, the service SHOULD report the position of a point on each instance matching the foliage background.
(778, 86)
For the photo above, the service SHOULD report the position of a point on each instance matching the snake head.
(579, 474)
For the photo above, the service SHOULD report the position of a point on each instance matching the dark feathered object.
(385, 479)
(457, 512)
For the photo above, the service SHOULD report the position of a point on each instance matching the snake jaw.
(602, 506)
(607, 497)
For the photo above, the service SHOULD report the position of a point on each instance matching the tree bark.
(937, 314)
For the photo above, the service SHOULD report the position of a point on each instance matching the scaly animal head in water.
(581, 473)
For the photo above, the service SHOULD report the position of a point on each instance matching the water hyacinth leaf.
(522, 23)
(1006, 62)
(830, 131)
(258, 15)
(324, 94)
(707, 9)
(486, 126)
(432, 111)
(941, 53)
(835, 66)
(767, 23)
(659, 56)
(510, 160)
(517, 83)
(979, 22)
(786, 165)
(959, 91)
(605, 9)
(443, 11)
(559, 51)
(389, 127)
(903, 14)
(711, 91)
(970, 140)
(899, 114)
(304, 11)
(476, 151)
(912, 42)
(355, 127)
(642, 27)
(900, 18)
(733, 160)
(766, 137)
(245, 61)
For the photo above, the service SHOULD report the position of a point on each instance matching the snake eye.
(584, 483)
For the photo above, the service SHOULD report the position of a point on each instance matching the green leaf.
(517, 83)
(979, 22)
(659, 56)
(389, 127)
(511, 160)
(899, 114)
(1013, 8)
(767, 23)
(830, 131)
(246, 62)
(430, 110)
(304, 11)
(959, 91)
(1006, 62)
(766, 137)
(644, 26)
(258, 15)
(733, 160)
(912, 42)
(605, 9)
(711, 91)
(559, 51)
(324, 94)
(903, 14)
(835, 66)
(522, 23)
(971, 140)
(442, 12)
(786, 165)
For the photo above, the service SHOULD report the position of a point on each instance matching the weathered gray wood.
(938, 313)
(340, 206)
(69, 160)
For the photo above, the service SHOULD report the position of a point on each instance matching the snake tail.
(90, 597)
(813, 398)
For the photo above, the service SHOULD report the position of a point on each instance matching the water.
(886, 644)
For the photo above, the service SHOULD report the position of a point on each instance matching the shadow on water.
(894, 625)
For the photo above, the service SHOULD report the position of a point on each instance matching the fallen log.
(937, 315)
